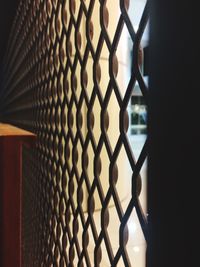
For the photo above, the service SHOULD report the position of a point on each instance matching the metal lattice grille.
(64, 80)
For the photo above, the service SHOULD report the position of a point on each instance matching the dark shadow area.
(7, 12)
(173, 168)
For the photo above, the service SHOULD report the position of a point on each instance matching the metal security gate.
(65, 78)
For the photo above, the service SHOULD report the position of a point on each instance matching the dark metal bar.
(173, 135)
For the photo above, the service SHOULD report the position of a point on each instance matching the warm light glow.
(136, 249)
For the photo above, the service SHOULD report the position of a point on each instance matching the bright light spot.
(136, 249)
(132, 227)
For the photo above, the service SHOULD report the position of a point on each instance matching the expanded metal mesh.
(63, 79)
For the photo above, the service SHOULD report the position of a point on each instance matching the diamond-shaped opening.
(48, 121)
(67, 85)
(65, 186)
(61, 150)
(137, 132)
(49, 8)
(102, 72)
(136, 245)
(95, 207)
(56, 202)
(45, 95)
(64, 117)
(76, 79)
(50, 223)
(122, 61)
(71, 48)
(96, 114)
(59, 178)
(72, 119)
(56, 58)
(112, 121)
(88, 76)
(60, 86)
(55, 147)
(122, 175)
(73, 189)
(81, 36)
(43, 16)
(51, 178)
(95, 26)
(58, 119)
(53, 244)
(82, 195)
(58, 21)
(68, 155)
(82, 119)
(63, 55)
(47, 38)
(65, 242)
(51, 64)
(89, 162)
(68, 222)
(62, 207)
(102, 169)
(54, 90)
(65, 14)
(78, 157)
(52, 29)
(42, 66)
(47, 68)
(51, 146)
(59, 233)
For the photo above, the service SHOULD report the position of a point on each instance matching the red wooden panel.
(10, 173)
(10, 193)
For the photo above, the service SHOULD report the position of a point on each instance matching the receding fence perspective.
(74, 74)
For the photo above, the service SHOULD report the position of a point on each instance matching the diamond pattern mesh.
(64, 79)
